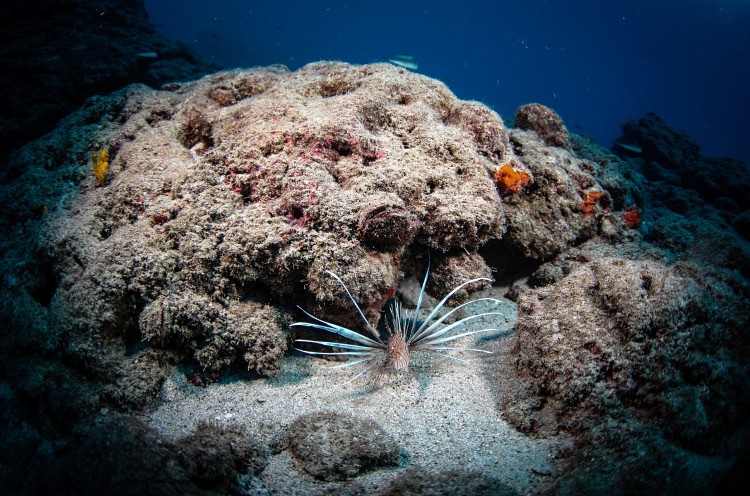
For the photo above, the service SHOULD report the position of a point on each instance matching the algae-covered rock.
(333, 446)
(564, 204)
(451, 271)
(257, 182)
(223, 203)
(545, 122)
(225, 194)
(217, 335)
(619, 336)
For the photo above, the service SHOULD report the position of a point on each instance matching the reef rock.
(545, 122)
(227, 195)
(635, 338)
(223, 202)
(256, 182)
(564, 204)
(672, 157)
(331, 446)
(659, 142)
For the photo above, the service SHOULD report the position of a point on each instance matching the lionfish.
(405, 333)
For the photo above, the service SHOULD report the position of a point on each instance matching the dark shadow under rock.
(120, 455)
(214, 454)
(418, 481)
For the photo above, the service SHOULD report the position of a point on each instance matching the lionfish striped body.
(398, 353)
(406, 333)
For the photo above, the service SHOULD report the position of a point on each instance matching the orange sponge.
(100, 164)
(509, 180)
(589, 202)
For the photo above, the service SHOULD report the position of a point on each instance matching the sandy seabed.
(443, 414)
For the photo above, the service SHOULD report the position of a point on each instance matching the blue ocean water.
(597, 63)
